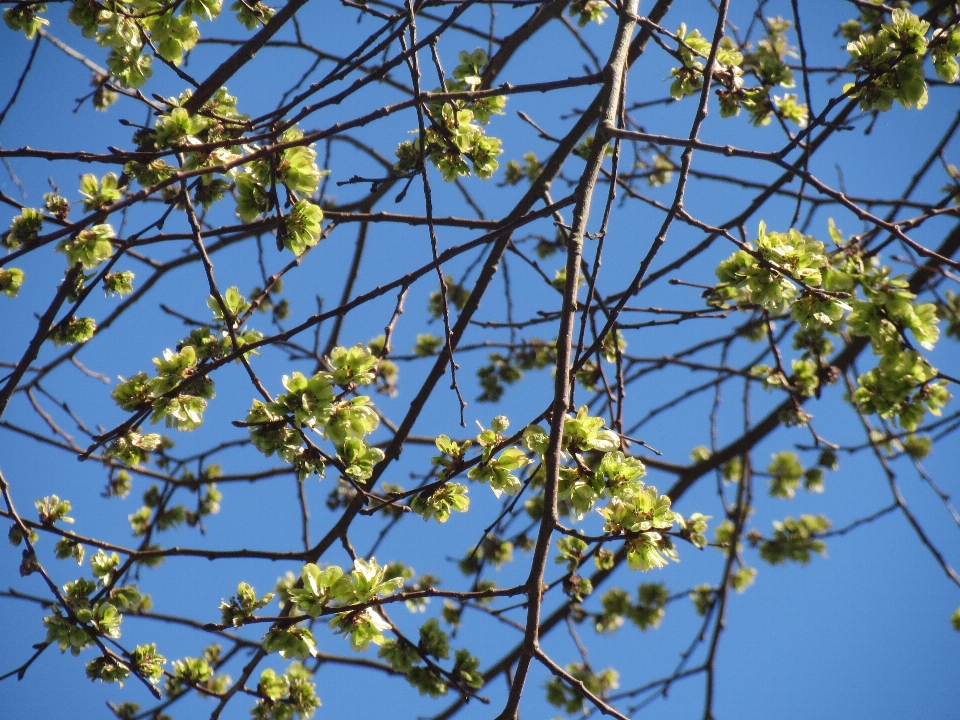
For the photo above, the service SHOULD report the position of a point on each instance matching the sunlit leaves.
(889, 65)
(321, 587)
(562, 695)
(498, 471)
(147, 662)
(67, 548)
(297, 167)
(286, 696)
(451, 497)
(795, 540)
(118, 283)
(252, 14)
(455, 137)
(302, 227)
(72, 331)
(768, 278)
(243, 605)
(24, 229)
(107, 669)
(89, 247)
(945, 48)
(131, 449)
(693, 48)
(902, 387)
(587, 11)
(52, 510)
(290, 642)
(174, 35)
(196, 672)
(25, 18)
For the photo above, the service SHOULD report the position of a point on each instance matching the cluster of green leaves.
(786, 473)
(795, 540)
(420, 663)
(310, 404)
(285, 696)
(439, 502)
(199, 672)
(570, 699)
(767, 63)
(134, 30)
(587, 11)
(503, 370)
(514, 172)
(767, 278)
(454, 134)
(331, 586)
(904, 386)
(889, 62)
(296, 169)
(241, 607)
(176, 394)
(90, 247)
(179, 391)
(645, 613)
(159, 514)
(217, 121)
(293, 167)
(92, 609)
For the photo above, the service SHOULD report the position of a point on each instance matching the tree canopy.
(476, 358)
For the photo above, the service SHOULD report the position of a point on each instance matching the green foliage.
(15, 535)
(785, 470)
(107, 669)
(243, 605)
(768, 277)
(24, 229)
(290, 642)
(587, 11)
(703, 598)
(25, 18)
(302, 227)
(364, 583)
(889, 65)
(72, 331)
(513, 172)
(196, 672)
(457, 296)
(147, 662)
(97, 194)
(286, 696)
(11, 279)
(52, 510)
(66, 634)
(441, 502)
(454, 135)
(89, 247)
(795, 540)
(66, 548)
(561, 695)
(692, 48)
(251, 16)
(118, 283)
(768, 62)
